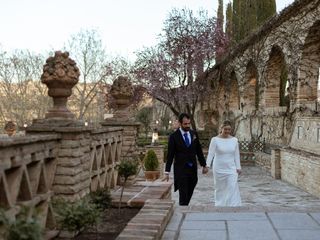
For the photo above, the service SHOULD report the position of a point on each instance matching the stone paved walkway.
(272, 209)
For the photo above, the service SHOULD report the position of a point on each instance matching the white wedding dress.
(224, 152)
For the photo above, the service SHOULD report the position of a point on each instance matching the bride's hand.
(239, 171)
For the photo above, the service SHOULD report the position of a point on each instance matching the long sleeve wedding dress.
(224, 152)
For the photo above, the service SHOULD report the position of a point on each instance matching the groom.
(184, 148)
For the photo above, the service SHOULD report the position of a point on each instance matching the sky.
(124, 26)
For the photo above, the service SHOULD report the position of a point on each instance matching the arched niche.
(251, 88)
(276, 89)
(234, 96)
(308, 82)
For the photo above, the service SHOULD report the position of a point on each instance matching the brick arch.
(250, 91)
(234, 96)
(275, 89)
(308, 80)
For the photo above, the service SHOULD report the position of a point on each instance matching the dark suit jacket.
(180, 155)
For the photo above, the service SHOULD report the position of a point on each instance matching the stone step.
(148, 224)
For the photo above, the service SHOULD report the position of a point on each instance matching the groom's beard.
(186, 129)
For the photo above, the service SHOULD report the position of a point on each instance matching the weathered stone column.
(122, 94)
(276, 163)
(72, 179)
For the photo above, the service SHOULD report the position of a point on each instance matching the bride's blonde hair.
(224, 124)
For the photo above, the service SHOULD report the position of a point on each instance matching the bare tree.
(87, 50)
(23, 97)
(173, 70)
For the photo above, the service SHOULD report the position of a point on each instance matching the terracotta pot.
(152, 175)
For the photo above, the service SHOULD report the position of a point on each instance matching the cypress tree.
(236, 20)
(265, 10)
(242, 19)
(229, 22)
(220, 16)
(250, 16)
(219, 31)
(247, 15)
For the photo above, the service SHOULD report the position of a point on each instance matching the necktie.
(186, 139)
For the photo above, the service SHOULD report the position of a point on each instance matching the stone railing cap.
(18, 140)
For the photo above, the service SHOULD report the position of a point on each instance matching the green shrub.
(150, 160)
(127, 168)
(24, 228)
(101, 198)
(76, 216)
(3, 219)
(141, 142)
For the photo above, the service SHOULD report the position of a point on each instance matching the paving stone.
(203, 225)
(174, 221)
(225, 216)
(299, 234)
(251, 230)
(293, 221)
(202, 235)
(316, 216)
(168, 235)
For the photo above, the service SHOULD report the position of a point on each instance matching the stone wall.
(301, 169)
(27, 174)
(300, 162)
(130, 134)
(306, 135)
(86, 159)
(263, 160)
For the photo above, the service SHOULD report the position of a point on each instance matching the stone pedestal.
(72, 179)
(275, 164)
(130, 134)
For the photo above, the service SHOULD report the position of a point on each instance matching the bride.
(224, 152)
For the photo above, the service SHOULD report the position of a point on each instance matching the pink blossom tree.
(174, 71)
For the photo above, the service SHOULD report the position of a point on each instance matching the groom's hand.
(166, 177)
(205, 170)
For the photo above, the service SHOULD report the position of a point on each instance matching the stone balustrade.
(67, 163)
(27, 174)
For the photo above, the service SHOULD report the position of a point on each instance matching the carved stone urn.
(122, 93)
(60, 74)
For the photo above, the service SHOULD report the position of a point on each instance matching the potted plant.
(151, 166)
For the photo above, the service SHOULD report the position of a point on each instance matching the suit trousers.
(187, 183)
